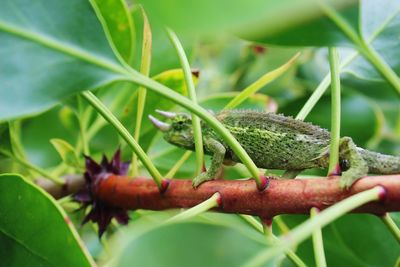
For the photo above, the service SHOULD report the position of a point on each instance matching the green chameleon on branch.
(274, 141)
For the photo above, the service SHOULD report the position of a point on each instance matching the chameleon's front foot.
(201, 178)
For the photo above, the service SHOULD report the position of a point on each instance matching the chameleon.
(274, 141)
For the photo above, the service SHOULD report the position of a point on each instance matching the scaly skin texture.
(274, 141)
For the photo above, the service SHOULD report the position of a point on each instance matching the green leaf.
(50, 50)
(379, 24)
(318, 30)
(66, 152)
(35, 229)
(199, 242)
(257, 17)
(353, 240)
(120, 26)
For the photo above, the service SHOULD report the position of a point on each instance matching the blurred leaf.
(44, 62)
(66, 152)
(192, 243)
(35, 229)
(257, 18)
(120, 25)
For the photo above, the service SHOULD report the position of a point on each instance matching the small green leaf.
(66, 152)
(34, 230)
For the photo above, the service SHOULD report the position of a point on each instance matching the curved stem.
(198, 140)
(318, 243)
(145, 70)
(304, 230)
(335, 110)
(107, 115)
(212, 202)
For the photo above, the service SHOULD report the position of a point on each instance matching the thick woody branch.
(241, 196)
(296, 196)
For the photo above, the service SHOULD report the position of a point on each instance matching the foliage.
(52, 51)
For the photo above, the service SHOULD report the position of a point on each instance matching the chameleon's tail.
(380, 163)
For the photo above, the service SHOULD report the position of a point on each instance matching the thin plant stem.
(318, 243)
(198, 140)
(292, 256)
(145, 70)
(107, 115)
(32, 167)
(212, 202)
(205, 116)
(335, 109)
(178, 164)
(82, 127)
(304, 230)
(314, 98)
(392, 226)
(260, 83)
(365, 49)
(281, 224)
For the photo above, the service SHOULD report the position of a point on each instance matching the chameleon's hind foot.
(201, 178)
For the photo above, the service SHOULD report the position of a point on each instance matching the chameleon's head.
(179, 132)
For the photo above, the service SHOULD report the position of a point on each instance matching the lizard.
(274, 141)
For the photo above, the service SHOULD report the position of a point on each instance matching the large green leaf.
(255, 18)
(379, 25)
(220, 240)
(50, 50)
(34, 231)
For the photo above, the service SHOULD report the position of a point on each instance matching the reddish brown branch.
(238, 196)
(241, 196)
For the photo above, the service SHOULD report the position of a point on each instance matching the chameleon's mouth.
(162, 126)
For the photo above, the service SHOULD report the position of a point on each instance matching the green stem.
(392, 226)
(318, 243)
(32, 167)
(145, 70)
(260, 83)
(198, 140)
(212, 202)
(82, 126)
(292, 256)
(204, 115)
(335, 109)
(304, 230)
(108, 116)
(178, 164)
(366, 49)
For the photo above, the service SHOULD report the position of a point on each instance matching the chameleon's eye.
(180, 122)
